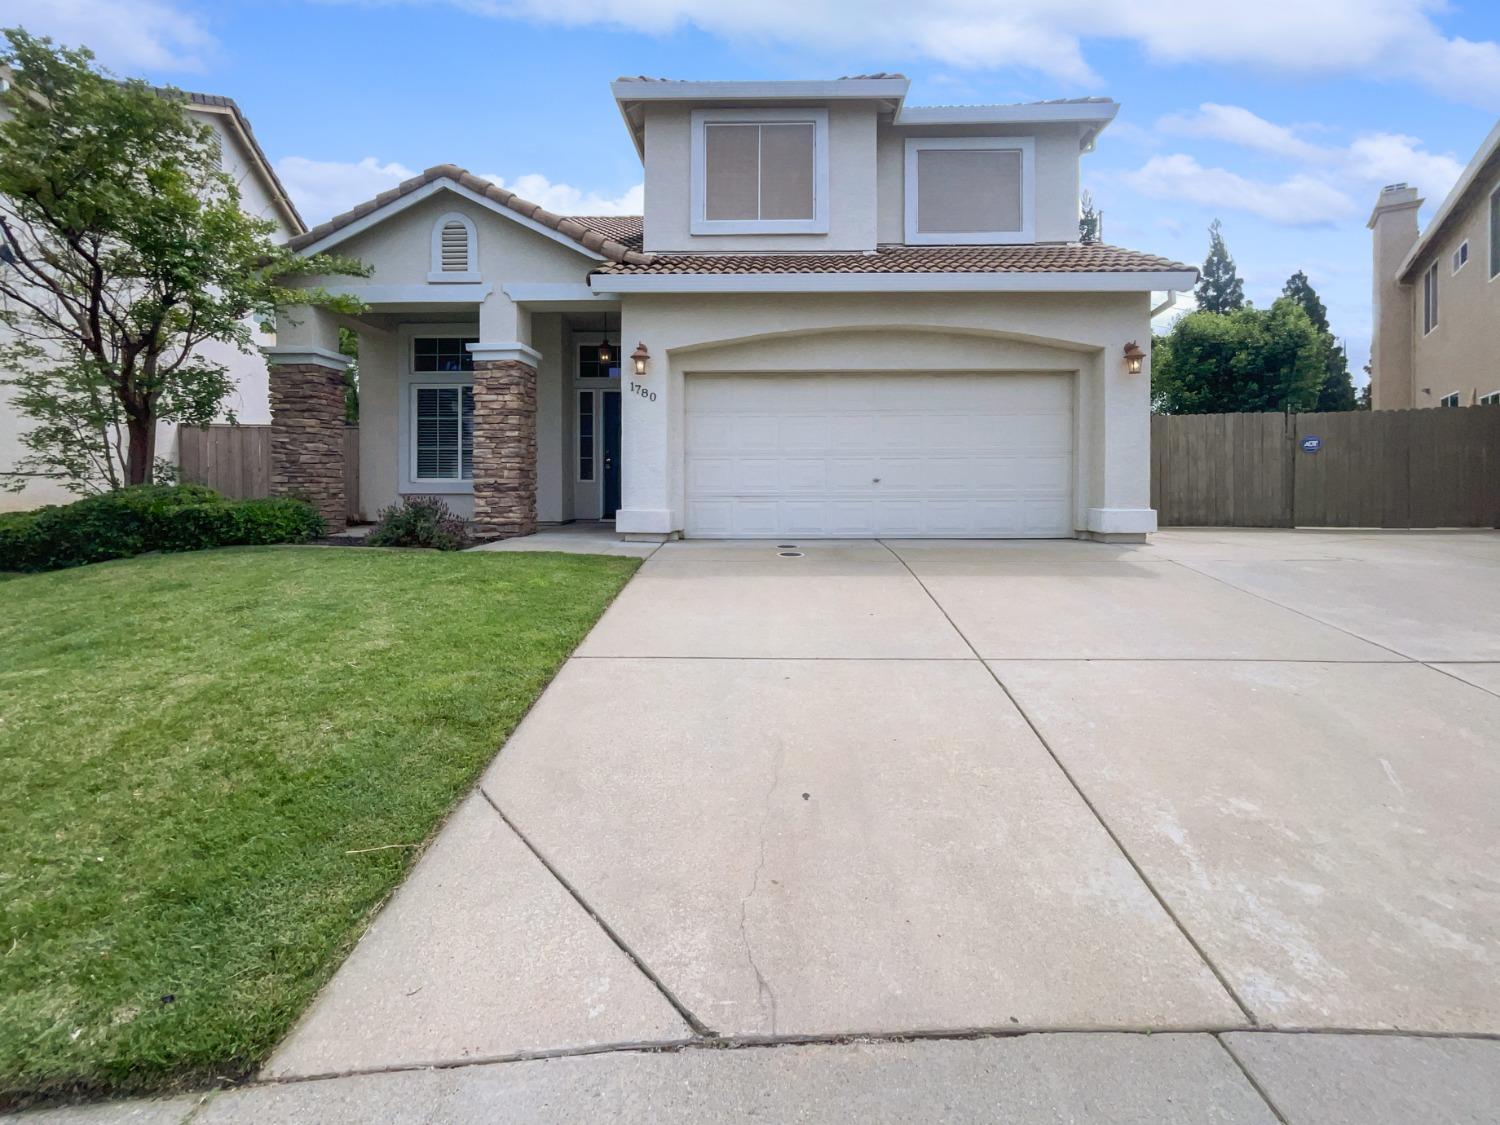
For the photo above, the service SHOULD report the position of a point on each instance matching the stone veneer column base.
(307, 437)
(504, 448)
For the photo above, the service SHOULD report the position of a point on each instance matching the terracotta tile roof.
(624, 229)
(599, 239)
(1040, 258)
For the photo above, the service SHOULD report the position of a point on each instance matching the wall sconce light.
(604, 353)
(640, 357)
(1133, 358)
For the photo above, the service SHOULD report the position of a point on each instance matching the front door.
(611, 454)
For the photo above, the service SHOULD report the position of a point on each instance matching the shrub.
(422, 521)
(116, 525)
(18, 540)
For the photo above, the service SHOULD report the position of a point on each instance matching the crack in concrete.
(763, 989)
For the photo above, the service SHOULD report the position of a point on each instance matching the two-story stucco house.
(1436, 331)
(262, 195)
(839, 316)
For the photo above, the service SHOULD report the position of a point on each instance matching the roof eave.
(1094, 116)
(230, 110)
(1094, 281)
(632, 93)
(1487, 149)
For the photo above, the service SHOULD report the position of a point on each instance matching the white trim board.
(1102, 282)
(698, 222)
(416, 293)
(426, 191)
(308, 354)
(1026, 233)
(1021, 114)
(630, 90)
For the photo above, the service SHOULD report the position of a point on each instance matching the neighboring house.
(262, 195)
(1436, 331)
(840, 316)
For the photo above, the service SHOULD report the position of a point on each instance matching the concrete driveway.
(1224, 786)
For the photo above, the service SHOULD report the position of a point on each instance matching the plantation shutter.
(445, 433)
(453, 247)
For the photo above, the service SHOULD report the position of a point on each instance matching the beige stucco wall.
(851, 175)
(866, 181)
(399, 252)
(1056, 173)
(1463, 352)
(1082, 334)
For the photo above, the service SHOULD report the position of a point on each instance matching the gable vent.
(453, 247)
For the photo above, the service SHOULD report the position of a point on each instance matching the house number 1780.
(645, 392)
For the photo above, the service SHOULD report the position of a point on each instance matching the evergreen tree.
(1337, 389)
(1220, 289)
(1299, 289)
(1089, 221)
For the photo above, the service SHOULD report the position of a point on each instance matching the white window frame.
(702, 118)
(408, 483)
(1026, 146)
(437, 274)
(1430, 299)
(1450, 395)
(1494, 247)
(1490, 399)
(1460, 256)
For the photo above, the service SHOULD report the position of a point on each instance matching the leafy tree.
(1247, 360)
(1337, 389)
(349, 346)
(1090, 222)
(124, 250)
(1220, 289)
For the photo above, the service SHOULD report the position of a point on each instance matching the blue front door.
(611, 454)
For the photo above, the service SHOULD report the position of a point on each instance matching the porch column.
(307, 427)
(504, 439)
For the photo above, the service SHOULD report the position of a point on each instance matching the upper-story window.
(1461, 256)
(1495, 233)
(970, 190)
(760, 171)
(1429, 299)
(455, 250)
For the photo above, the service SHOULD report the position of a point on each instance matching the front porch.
(512, 435)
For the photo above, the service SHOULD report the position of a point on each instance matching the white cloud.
(323, 188)
(125, 34)
(1386, 38)
(1238, 125)
(1298, 200)
(1371, 159)
(565, 199)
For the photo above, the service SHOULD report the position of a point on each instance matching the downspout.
(1165, 305)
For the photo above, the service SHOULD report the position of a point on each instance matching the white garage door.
(851, 455)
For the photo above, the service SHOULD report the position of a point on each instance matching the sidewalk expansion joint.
(1252, 1080)
(831, 1039)
(699, 1028)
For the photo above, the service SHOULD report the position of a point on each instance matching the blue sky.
(1281, 119)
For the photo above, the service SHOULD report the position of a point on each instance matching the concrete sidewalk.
(988, 810)
(1244, 1078)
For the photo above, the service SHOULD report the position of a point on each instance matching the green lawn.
(195, 748)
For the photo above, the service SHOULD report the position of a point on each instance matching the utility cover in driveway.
(853, 454)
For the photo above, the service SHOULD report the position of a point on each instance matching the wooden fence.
(1385, 468)
(236, 460)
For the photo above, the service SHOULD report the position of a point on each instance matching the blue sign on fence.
(1311, 444)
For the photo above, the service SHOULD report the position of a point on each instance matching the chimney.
(1394, 222)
